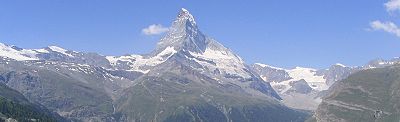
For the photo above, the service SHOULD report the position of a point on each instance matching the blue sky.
(310, 33)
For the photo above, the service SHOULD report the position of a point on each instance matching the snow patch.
(264, 65)
(308, 74)
(225, 61)
(22, 55)
(42, 50)
(60, 50)
(185, 15)
(339, 64)
(183, 9)
(138, 62)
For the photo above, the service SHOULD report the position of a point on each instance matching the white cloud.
(154, 29)
(389, 27)
(392, 5)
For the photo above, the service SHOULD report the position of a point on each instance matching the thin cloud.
(154, 29)
(392, 5)
(389, 27)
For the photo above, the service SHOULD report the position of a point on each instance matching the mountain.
(198, 79)
(302, 88)
(286, 81)
(370, 95)
(188, 77)
(74, 91)
(185, 44)
(14, 106)
(52, 53)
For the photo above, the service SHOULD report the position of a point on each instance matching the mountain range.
(303, 88)
(187, 77)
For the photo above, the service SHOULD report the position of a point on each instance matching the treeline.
(24, 113)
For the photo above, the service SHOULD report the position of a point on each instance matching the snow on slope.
(42, 50)
(308, 74)
(19, 55)
(264, 65)
(60, 50)
(138, 62)
(129, 58)
(339, 64)
(225, 61)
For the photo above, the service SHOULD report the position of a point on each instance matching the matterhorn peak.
(184, 10)
(185, 21)
(184, 15)
(183, 34)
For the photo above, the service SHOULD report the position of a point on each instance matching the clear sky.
(309, 33)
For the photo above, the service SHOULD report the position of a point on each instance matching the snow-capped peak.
(16, 53)
(265, 65)
(339, 64)
(183, 34)
(21, 54)
(184, 14)
(60, 50)
(309, 75)
(184, 10)
(57, 49)
(297, 68)
(185, 21)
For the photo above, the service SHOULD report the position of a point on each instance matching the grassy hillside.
(367, 96)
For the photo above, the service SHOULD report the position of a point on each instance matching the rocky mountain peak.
(183, 34)
(185, 16)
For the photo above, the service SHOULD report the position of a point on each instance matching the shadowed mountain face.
(74, 91)
(366, 96)
(188, 77)
(14, 106)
